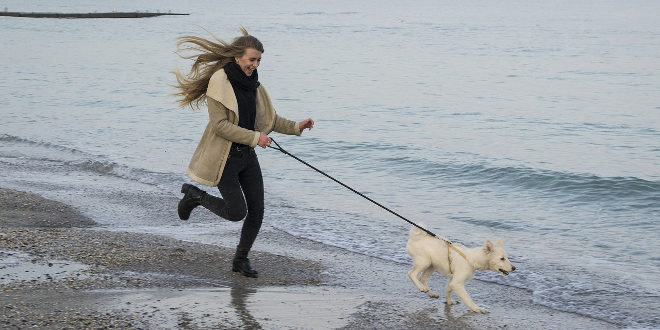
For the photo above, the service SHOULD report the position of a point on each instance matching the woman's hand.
(264, 140)
(307, 123)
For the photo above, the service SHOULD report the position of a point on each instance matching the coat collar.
(220, 89)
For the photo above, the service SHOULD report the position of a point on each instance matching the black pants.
(242, 190)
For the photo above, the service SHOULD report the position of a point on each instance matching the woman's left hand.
(307, 123)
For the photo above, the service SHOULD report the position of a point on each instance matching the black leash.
(353, 190)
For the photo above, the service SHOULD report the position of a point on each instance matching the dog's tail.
(415, 231)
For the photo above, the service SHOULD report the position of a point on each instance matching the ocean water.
(534, 121)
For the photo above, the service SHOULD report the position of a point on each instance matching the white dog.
(431, 254)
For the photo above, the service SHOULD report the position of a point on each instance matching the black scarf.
(245, 89)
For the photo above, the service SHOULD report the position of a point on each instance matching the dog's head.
(497, 259)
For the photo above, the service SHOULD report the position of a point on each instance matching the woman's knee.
(236, 214)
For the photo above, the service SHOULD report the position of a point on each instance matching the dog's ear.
(499, 242)
(488, 247)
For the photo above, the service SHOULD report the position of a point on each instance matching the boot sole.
(236, 270)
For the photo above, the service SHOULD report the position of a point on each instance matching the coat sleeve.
(223, 125)
(285, 126)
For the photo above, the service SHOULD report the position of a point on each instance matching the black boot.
(242, 265)
(192, 198)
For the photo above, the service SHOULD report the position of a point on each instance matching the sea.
(534, 121)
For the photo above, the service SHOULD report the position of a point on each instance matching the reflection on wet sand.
(239, 296)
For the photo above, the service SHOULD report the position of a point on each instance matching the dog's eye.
(502, 258)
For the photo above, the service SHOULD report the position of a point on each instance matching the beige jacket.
(210, 157)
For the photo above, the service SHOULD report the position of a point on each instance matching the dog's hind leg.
(414, 272)
(424, 279)
(448, 294)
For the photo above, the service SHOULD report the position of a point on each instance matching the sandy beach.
(57, 270)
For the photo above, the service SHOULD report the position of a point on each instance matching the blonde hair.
(210, 56)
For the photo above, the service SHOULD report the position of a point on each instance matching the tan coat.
(210, 157)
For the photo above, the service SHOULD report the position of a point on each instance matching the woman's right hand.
(264, 140)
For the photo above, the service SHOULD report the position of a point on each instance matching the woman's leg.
(252, 185)
(242, 190)
(253, 188)
(232, 204)
(241, 183)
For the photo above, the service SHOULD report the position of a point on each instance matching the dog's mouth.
(503, 271)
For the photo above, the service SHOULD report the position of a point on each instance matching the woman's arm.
(285, 126)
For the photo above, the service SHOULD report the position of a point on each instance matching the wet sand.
(57, 269)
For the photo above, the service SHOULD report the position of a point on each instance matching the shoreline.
(57, 269)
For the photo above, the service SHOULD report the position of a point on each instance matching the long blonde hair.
(210, 56)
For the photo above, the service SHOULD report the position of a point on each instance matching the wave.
(456, 170)
(120, 171)
(574, 186)
(76, 160)
(15, 139)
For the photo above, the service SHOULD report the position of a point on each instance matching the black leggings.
(242, 189)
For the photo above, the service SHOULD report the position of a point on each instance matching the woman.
(240, 117)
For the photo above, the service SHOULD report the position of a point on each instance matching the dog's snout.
(513, 267)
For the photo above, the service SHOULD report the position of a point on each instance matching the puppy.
(431, 254)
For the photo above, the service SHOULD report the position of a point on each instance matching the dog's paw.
(451, 302)
(480, 310)
(432, 294)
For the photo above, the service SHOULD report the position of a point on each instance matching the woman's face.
(249, 61)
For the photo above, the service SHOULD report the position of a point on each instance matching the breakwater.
(86, 15)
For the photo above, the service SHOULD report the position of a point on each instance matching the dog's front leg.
(458, 286)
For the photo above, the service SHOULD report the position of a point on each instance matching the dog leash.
(449, 243)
